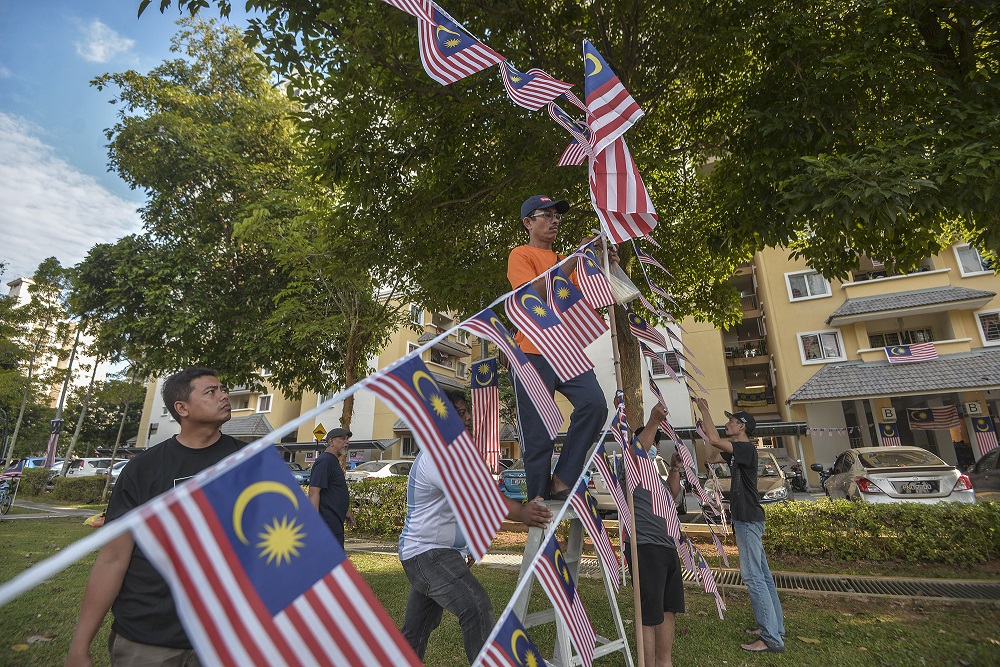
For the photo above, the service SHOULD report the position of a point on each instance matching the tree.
(104, 413)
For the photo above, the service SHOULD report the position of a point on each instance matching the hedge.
(85, 490)
(953, 533)
(379, 505)
(34, 481)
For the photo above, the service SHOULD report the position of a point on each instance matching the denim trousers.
(439, 580)
(590, 411)
(757, 576)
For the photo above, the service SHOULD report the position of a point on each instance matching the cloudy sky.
(57, 197)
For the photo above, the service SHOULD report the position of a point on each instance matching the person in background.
(328, 486)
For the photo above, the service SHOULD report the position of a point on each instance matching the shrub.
(34, 480)
(953, 533)
(379, 505)
(86, 490)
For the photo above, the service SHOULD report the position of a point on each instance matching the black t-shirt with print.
(744, 503)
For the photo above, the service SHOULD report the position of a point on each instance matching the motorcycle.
(797, 479)
(824, 474)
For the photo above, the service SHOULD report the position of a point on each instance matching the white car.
(88, 467)
(116, 470)
(897, 475)
(387, 468)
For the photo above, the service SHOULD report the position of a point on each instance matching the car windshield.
(767, 467)
(295, 466)
(900, 459)
(372, 466)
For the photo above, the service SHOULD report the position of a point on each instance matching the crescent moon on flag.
(560, 562)
(525, 298)
(636, 320)
(518, 634)
(597, 64)
(419, 375)
(898, 350)
(981, 425)
(252, 492)
(487, 381)
(441, 27)
(503, 331)
(559, 278)
(887, 429)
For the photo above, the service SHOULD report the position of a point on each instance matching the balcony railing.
(755, 347)
(749, 302)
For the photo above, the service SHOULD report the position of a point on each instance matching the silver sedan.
(896, 475)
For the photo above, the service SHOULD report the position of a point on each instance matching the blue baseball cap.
(541, 201)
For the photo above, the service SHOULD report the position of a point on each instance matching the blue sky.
(57, 197)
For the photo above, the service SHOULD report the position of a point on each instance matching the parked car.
(513, 482)
(897, 474)
(606, 502)
(300, 473)
(88, 467)
(116, 470)
(13, 471)
(772, 485)
(386, 468)
(985, 476)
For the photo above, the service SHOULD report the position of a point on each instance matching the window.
(264, 403)
(907, 337)
(463, 370)
(806, 285)
(442, 359)
(265, 372)
(821, 346)
(240, 402)
(970, 262)
(416, 314)
(408, 447)
(462, 336)
(165, 411)
(663, 361)
(989, 327)
(411, 347)
(153, 428)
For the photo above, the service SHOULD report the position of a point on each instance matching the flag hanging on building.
(618, 194)
(611, 110)
(586, 510)
(904, 354)
(259, 579)
(606, 469)
(934, 418)
(593, 282)
(486, 412)
(413, 393)
(55, 428)
(542, 326)
(578, 315)
(532, 89)
(889, 434)
(510, 647)
(449, 53)
(487, 325)
(641, 329)
(643, 257)
(553, 574)
(422, 9)
(986, 434)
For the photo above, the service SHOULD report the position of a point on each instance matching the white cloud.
(100, 44)
(5, 73)
(49, 208)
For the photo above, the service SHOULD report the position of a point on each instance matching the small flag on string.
(510, 647)
(532, 89)
(586, 510)
(611, 110)
(542, 326)
(643, 257)
(449, 52)
(904, 354)
(889, 434)
(641, 329)
(606, 468)
(986, 434)
(578, 315)
(553, 574)
(55, 428)
(486, 412)
(618, 194)
(707, 578)
(593, 283)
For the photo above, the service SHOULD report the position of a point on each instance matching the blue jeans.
(439, 580)
(757, 576)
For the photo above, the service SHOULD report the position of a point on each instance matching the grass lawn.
(840, 631)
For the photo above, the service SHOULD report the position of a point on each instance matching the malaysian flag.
(611, 481)
(449, 52)
(553, 574)
(411, 391)
(889, 435)
(618, 194)
(647, 352)
(687, 362)
(707, 578)
(55, 428)
(532, 89)
(578, 315)
(259, 579)
(641, 329)
(486, 412)
(543, 327)
(986, 434)
(904, 354)
(577, 129)
(573, 155)
(933, 418)
(586, 510)
(487, 325)
(593, 282)
(510, 647)
(611, 110)
(639, 469)
(659, 290)
(422, 9)
(647, 259)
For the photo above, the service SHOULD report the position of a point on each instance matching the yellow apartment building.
(809, 357)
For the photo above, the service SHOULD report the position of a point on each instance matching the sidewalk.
(44, 511)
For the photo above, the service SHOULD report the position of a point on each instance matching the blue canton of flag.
(542, 326)
(641, 329)
(259, 579)
(486, 412)
(610, 109)
(413, 393)
(586, 509)
(593, 282)
(578, 315)
(553, 574)
(510, 647)
(532, 89)
(449, 53)
(889, 434)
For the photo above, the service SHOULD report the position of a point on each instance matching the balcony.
(942, 347)
(747, 352)
(754, 400)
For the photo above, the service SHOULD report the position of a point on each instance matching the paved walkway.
(43, 511)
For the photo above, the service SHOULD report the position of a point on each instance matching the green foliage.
(80, 490)
(953, 533)
(34, 481)
(104, 414)
(379, 505)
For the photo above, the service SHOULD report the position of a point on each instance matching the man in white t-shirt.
(433, 552)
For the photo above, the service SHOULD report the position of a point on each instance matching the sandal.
(752, 631)
(754, 647)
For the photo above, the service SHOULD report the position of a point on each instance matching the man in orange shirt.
(541, 216)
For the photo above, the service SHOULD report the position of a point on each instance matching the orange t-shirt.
(524, 265)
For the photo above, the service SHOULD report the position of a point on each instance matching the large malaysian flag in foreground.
(542, 326)
(510, 647)
(259, 579)
(611, 110)
(553, 574)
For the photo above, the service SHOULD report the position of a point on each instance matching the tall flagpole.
(634, 560)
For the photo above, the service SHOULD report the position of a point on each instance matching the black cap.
(338, 433)
(744, 418)
(542, 201)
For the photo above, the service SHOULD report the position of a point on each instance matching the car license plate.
(918, 487)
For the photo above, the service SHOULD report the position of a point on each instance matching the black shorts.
(662, 588)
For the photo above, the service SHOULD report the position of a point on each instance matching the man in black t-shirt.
(748, 525)
(328, 487)
(146, 628)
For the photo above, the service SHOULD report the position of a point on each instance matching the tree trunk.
(631, 370)
(79, 422)
(118, 438)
